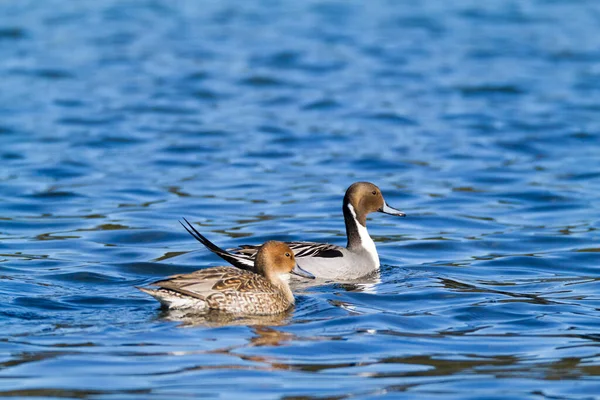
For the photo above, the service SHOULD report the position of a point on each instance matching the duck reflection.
(217, 319)
(268, 336)
(366, 284)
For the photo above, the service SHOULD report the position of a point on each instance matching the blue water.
(480, 120)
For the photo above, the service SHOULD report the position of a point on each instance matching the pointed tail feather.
(236, 260)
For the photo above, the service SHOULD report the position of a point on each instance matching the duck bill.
(300, 272)
(391, 211)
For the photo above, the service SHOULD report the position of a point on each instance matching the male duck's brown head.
(365, 198)
(275, 259)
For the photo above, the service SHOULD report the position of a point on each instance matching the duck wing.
(243, 257)
(200, 283)
(300, 249)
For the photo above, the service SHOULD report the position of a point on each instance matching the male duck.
(232, 290)
(327, 261)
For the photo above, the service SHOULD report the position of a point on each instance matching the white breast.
(365, 239)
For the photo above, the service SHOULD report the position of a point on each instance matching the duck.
(326, 261)
(233, 290)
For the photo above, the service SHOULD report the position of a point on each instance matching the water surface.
(480, 121)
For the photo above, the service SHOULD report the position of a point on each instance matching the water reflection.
(188, 318)
(267, 336)
(367, 284)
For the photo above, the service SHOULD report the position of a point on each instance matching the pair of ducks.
(257, 284)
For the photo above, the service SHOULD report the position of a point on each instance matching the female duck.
(232, 290)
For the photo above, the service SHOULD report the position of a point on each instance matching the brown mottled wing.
(257, 284)
(229, 289)
(201, 283)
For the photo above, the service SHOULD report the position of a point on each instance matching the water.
(478, 119)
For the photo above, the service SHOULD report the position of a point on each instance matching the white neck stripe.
(365, 239)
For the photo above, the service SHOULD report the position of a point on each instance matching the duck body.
(359, 258)
(233, 290)
(227, 289)
(325, 261)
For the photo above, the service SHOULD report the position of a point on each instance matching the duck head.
(276, 259)
(365, 198)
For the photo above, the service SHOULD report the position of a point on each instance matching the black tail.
(235, 260)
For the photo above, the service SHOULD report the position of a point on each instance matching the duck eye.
(287, 254)
(374, 192)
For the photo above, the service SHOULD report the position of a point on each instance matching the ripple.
(393, 118)
(89, 121)
(45, 73)
(41, 304)
(264, 81)
(12, 33)
(487, 90)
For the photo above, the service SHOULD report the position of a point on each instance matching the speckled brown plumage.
(227, 289)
